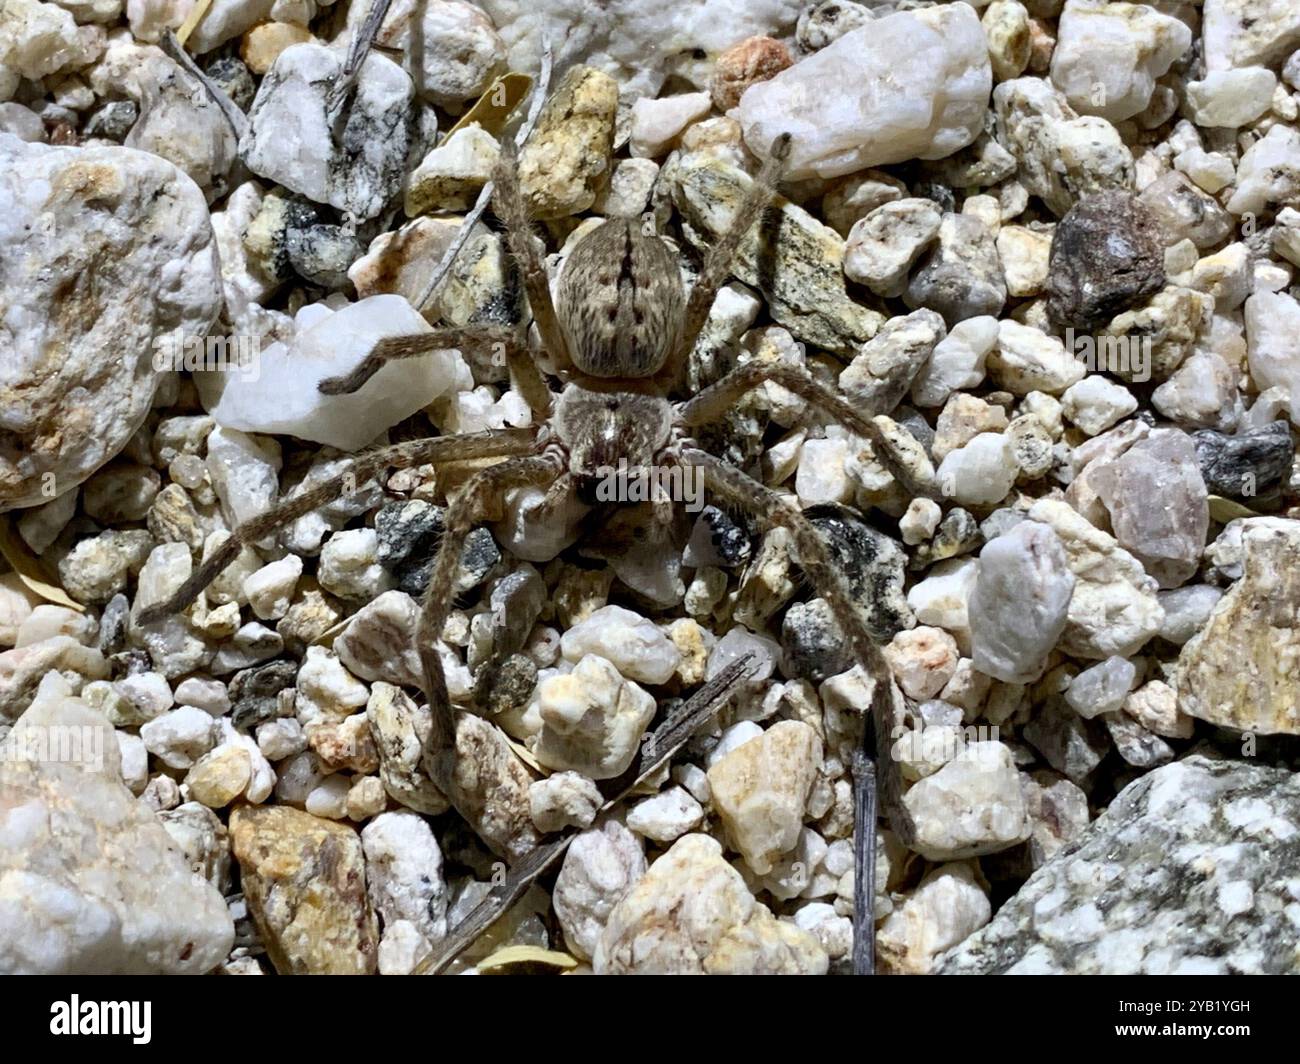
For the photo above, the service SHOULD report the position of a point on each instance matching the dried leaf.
(192, 19)
(31, 571)
(526, 756)
(327, 637)
(495, 106)
(1225, 510)
(512, 956)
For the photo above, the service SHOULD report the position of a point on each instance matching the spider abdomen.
(620, 301)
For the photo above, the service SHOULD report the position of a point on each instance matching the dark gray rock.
(1191, 869)
(507, 689)
(1069, 743)
(234, 79)
(408, 541)
(112, 121)
(322, 254)
(1107, 255)
(813, 645)
(961, 276)
(1253, 463)
(112, 625)
(255, 692)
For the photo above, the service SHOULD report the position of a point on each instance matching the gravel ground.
(1040, 257)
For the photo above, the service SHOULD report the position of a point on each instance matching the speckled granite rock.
(1242, 670)
(359, 169)
(1191, 870)
(802, 268)
(140, 228)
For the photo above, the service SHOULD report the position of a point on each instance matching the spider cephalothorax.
(618, 336)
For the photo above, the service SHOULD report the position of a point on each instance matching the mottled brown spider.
(618, 335)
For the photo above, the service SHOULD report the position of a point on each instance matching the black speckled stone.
(112, 121)
(234, 79)
(1253, 463)
(322, 254)
(812, 642)
(408, 541)
(112, 625)
(958, 533)
(716, 540)
(873, 564)
(254, 693)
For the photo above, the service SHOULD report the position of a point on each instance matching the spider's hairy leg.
(482, 495)
(491, 444)
(467, 756)
(528, 379)
(718, 261)
(713, 402)
(735, 488)
(510, 207)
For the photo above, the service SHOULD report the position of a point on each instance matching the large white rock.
(980, 473)
(358, 168)
(957, 361)
(760, 789)
(90, 881)
(1268, 175)
(971, 806)
(1020, 603)
(1273, 344)
(592, 719)
(635, 645)
(1062, 155)
(947, 906)
(1231, 98)
(692, 914)
(404, 873)
(913, 85)
(639, 44)
(455, 48)
(284, 398)
(599, 868)
(1114, 609)
(1108, 56)
(180, 122)
(102, 252)
(1238, 33)
(39, 39)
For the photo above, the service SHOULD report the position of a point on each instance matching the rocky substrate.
(1050, 247)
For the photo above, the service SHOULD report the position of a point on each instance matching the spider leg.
(491, 444)
(741, 491)
(899, 455)
(528, 379)
(717, 263)
(467, 756)
(510, 207)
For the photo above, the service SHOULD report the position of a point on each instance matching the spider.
(619, 333)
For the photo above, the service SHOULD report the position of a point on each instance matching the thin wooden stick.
(485, 195)
(864, 864)
(172, 46)
(357, 52)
